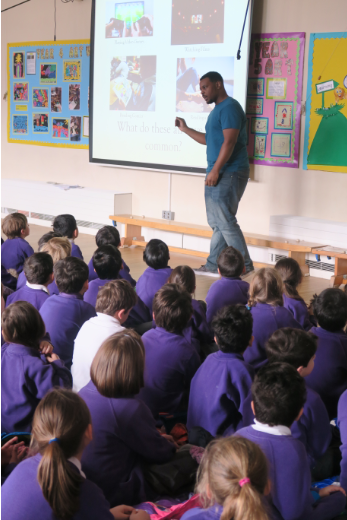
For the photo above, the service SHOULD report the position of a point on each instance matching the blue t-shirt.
(227, 114)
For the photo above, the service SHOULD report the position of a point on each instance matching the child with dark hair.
(291, 275)
(329, 377)
(342, 423)
(269, 314)
(124, 431)
(109, 236)
(65, 313)
(230, 289)
(47, 237)
(38, 270)
(66, 225)
(222, 383)
(279, 395)
(15, 249)
(171, 360)
(156, 255)
(107, 262)
(28, 369)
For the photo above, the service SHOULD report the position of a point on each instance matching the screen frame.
(164, 168)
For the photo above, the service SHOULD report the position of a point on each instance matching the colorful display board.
(273, 105)
(48, 93)
(326, 105)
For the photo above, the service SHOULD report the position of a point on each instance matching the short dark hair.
(183, 275)
(156, 254)
(213, 77)
(118, 366)
(230, 262)
(47, 237)
(13, 224)
(232, 327)
(65, 225)
(70, 274)
(38, 267)
(279, 393)
(330, 309)
(290, 272)
(22, 324)
(292, 346)
(115, 296)
(107, 235)
(172, 308)
(107, 262)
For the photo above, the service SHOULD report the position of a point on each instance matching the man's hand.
(212, 178)
(181, 124)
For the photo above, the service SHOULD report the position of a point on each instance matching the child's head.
(118, 366)
(65, 225)
(47, 237)
(330, 309)
(156, 254)
(71, 275)
(266, 287)
(15, 225)
(290, 272)
(107, 235)
(279, 394)
(293, 346)
(22, 324)
(107, 262)
(38, 268)
(172, 308)
(232, 328)
(184, 276)
(234, 474)
(58, 248)
(230, 263)
(116, 298)
(61, 429)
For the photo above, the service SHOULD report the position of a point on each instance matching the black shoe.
(203, 270)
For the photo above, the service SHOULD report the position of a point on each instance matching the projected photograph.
(129, 19)
(133, 83)
(197, 22)
(188, 74)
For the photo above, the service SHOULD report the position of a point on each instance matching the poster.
(274, 92)
(326, 105)
(49, 86)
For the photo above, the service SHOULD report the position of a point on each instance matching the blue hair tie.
(54, 440)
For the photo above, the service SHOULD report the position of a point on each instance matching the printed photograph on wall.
(75, 128)
(75, 97)
(48, 73)
(20, 92)
(19, 65)
(60, 128)
(40, 97)
(20, 124)
(56, 99)
(129, 19)
(40, 123)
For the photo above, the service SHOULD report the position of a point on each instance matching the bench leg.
(300, 258)
(340, 272)
(131, 233)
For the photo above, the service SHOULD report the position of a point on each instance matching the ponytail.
(248, 505)
(290, 272)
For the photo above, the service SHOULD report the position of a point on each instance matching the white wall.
(274, 190)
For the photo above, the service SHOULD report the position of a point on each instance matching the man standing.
(227, 168)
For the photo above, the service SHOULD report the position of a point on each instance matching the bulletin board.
(48, 93)
(326, 105)
(273, 107)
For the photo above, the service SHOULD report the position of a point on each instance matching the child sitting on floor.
(66, 225)
(107, 262)
(15, 249)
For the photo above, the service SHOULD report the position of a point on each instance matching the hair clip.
(244, 481)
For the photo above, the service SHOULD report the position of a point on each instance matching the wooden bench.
(340, 255)
(133, 236)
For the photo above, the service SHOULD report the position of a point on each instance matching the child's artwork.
(85, 126)
(60, 128)
(284, 115)
(19, 65)
(75, 97)
(260, 125)
(40, 123)
(254, 106)
(20, 92)
(56, 99)
(48, 73)
(72, 70)
(20, 124)
(280, 145)
(40, 97)
(276, 88)
(255, 87)
(326, 106)
(260, 145)
(75, 128)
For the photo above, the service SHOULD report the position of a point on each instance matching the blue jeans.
(221, 206)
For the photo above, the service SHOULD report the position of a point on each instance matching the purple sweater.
(223, 292)
(266, 319)
(171, 362)
(217, 406)
(36, 297)
(212, 513)
(14, 251)
(124, 435)
(124, 273)
(342, 422)
(300, 312)
(64, 315)
(291, 479)
(200, 327)
(329, 376)
(75, 251)
(22, 498)
(22, 280)
(150, 282)
(94, 286)
(26, 378)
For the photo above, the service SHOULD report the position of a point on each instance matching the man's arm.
(199, 137)
(230, 139)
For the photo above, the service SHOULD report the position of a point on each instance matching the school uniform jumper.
(64, 315)
(91, 294)
(26, 378)
(223, 292)
(22, 280)
(200, 327)
(150, 282)
(124, 435)
(300, 312)
(14, 252)
(217, 393)
(124, 273)
(75, 250)
(266, 319)
(342, 423)
(212, 513)
(36, 297)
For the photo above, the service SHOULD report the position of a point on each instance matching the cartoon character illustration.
(340, 94)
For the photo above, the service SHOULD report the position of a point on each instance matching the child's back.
(36, 297)
(66, 226)
(15, 249)
(342, 422)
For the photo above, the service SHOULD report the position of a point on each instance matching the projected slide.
(148, 57)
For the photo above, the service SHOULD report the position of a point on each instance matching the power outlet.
(168, 215)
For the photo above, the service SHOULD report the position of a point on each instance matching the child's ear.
(75, 233)
(244, 269)
(252, 406)
(251, 341)
(300, 369)
(153, 316)
(300, 414)
(219, 271)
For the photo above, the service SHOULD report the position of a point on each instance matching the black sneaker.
(203, 270)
